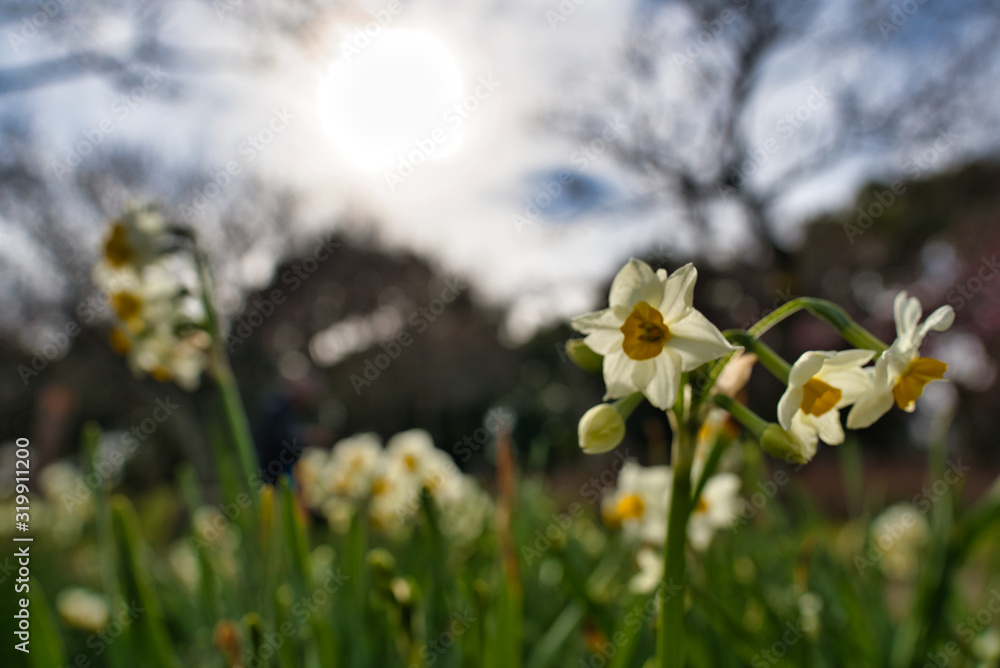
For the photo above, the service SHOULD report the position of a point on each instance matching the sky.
(455, 172)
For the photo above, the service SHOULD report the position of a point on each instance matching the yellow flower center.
(410, 462)
(630, 507)
(911, 383)
(162, 374)
(645, 333)
(119, 341)
(818, 397)
(116, 249)
(379, 486)
(702, 506)
(126, 305)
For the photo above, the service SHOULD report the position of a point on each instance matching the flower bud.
(601, 429)
(582, 356)
(779, 443)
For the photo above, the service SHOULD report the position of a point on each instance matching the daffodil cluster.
(160, 324)
(391, 483)
(821, 383)
(651, 334)
(652, 343)
(640, 504)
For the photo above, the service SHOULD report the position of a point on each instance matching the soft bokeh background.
(464, 177)
(837, 149)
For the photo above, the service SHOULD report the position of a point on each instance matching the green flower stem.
(225, 381)
(829, 312)
(853, 333)
(626, 405)
(671, 633)
(771, 360)
(746, 417)
(236, 416)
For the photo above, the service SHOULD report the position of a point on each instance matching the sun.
(383, 101)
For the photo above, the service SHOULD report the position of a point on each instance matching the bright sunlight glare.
(390, 99)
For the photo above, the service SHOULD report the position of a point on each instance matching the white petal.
(655, 481)
(596, 320)
(629, 475)
(850, 358)
(852, 383)
(618, 375)
(869, 408)
(696, 340)
(603, 330)
(807, 366)
(789, 405)
(939, 321)
(642, 372)
(678, 293)
(906, 312)
(828, 427)
(662, 388)
(634, 283)
(805, 432)
(720, 496)
(700, 534)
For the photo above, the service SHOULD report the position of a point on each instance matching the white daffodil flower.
(309, 474)
(900, 533)
(640, 502)
(716, 509)
(900, 375)
(83, 609)
(650, 572)
(465, 508)
(651, 333)
(351, 466)
(135, 240)
(819, 385)
(166, 356)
